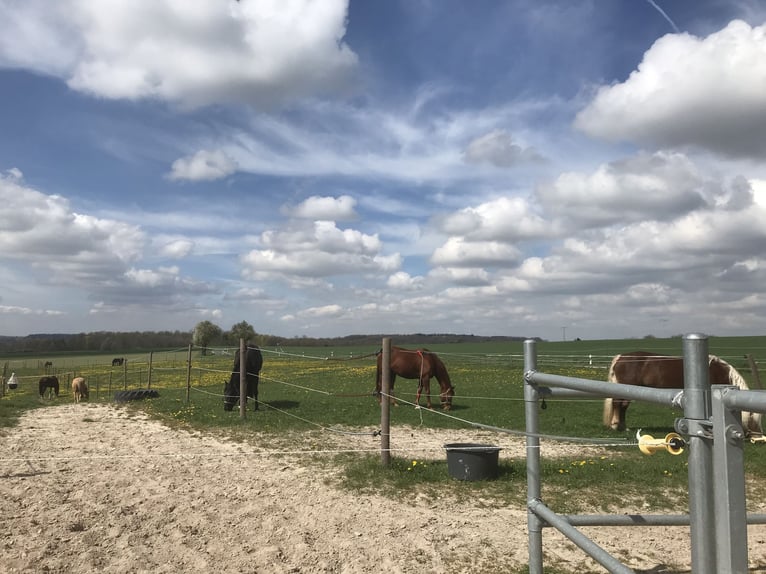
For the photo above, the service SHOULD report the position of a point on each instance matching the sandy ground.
(99, 488)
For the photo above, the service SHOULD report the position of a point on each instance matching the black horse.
(253, 365)
(50, 382)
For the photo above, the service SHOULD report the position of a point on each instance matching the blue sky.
(588, 169)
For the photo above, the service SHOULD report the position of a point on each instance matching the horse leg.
(391, 390)
(619, 414)
(445, 398)
(425, 384)
(254, 393)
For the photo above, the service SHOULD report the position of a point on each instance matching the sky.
(560, 169)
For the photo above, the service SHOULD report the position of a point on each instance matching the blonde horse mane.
(734, 377)
(751, 422)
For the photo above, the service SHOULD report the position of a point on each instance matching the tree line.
(207, 334)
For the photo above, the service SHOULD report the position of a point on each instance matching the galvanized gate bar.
(627, 519)
(643, 519)
(729, 486)
(753, 401)
(663, 397)
(531, 416)
(696, 413)
(586, 544)
(718, 530)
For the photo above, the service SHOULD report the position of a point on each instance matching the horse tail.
(378, 373)
(608, 402)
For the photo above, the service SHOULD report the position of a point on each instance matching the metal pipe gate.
(712, 428)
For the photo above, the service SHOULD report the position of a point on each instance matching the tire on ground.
(135, 395)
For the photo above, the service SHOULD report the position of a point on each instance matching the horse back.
(646, 369)
(414, 364)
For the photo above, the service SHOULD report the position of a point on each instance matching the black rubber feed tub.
(472, 461)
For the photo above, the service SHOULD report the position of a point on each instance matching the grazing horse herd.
(48, 387)
(638, 368)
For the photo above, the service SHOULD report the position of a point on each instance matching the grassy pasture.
(308, 392)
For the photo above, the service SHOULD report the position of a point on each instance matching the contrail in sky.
(661, 11)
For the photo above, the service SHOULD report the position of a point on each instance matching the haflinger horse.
(48, 385)
(645, 369)
(253, 366)
(420, 364)
(79, 389)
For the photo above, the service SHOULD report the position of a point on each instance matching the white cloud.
(402, 280)
(176, 249)
(317, 250)
(15, 310)
(194, 53)
(203, 166)
(497, 148)
(502, 219)
(464, 276)
(706, 92)
(659, 186)
(457, 252)
(324, 208)
(44, 231)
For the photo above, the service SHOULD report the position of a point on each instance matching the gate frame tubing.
(718, 530)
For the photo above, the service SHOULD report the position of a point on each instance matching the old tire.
(135, 395)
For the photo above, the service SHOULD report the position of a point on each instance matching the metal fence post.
(729, 485)
(697, 412)
(534, 522)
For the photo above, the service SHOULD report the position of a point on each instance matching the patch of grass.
(406, 477)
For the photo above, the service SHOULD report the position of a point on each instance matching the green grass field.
(314, 391)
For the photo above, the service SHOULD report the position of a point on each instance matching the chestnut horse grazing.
(645, 369)
(420, 364)
(79, 389)
(48, 385)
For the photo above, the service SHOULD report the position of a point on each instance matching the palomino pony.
(421, 364)
(48, 385)
(253, 366)
(645, 369)
(79, 389)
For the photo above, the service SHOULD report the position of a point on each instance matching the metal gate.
(712, 429)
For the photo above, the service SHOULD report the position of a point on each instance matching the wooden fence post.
(754, 371)
(188, 375)
(149, 377)
(385, 403)
(242, 379)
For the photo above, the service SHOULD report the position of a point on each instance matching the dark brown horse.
(253, 366)
(48, 385)
(645, 369)
(420, 364)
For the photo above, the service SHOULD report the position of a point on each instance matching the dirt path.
(97, 488)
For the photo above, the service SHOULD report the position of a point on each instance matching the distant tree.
(242, 330)
(204, 333)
